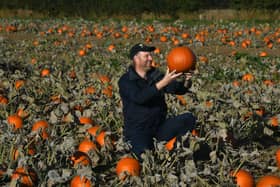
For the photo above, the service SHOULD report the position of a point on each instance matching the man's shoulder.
(155, 74)
(124, 77)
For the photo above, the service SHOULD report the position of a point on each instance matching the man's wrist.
(160, 84)
(188, 83)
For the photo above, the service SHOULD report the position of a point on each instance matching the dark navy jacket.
(144, 106)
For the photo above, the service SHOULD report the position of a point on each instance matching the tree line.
(86, 8)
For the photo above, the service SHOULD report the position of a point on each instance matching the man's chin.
(149, 67)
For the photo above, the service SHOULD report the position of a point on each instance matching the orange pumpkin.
(15, 121)
(33, 61)
(108, 91)
(278, 158)
(104, 79)
(88, 46)
(236, 83)
(163, 39)
(82, 52)
(203, 59)
(80, 158)
(89, 90)
(2, 171)
(170, 144)
(124, 29)
(19, 84)
(41, 125)
(45, 72)
(31, 150)
(208, 104)
(86, 145)
(274, 121)
(263, 54)
(85, 120)
(181, 99)
(100, 137)
(22, 113)
(111, 47)
(72, 74)
(157, 51)
(181, 59)
(129, 165)
(260, 111)
(268, 82)
(3, 100)
(185, 35)
(268, 181)
(79, 181)
(25, 177)
(154, 64)
(195, 132)
(248, 77)
(243, 178)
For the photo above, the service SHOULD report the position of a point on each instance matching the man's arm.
(129, 90)
(179, 87)
(167, 79)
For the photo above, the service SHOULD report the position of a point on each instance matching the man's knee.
(140, 143)
(189, 121)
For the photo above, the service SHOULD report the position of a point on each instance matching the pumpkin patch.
(61, 113)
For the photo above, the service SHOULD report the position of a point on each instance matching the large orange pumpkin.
(181, 59)
(79, 181)
(129, 165)
(268, 181)
(243, 178)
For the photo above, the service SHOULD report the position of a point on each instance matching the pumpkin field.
(61, 114)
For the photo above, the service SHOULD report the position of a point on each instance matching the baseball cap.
(140, 47)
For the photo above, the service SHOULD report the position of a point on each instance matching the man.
(142, 90)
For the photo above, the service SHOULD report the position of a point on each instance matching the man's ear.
(135, 58)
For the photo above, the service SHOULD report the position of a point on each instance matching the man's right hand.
(168, 78)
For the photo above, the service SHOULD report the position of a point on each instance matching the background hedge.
(86, 8)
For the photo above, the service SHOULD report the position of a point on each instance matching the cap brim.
(134, 50)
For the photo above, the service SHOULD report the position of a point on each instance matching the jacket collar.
(153, 75)
(133, 74)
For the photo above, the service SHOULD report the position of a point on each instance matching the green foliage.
(84, 8)
(255, 4)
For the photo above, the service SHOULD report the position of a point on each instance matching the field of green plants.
(62, 74)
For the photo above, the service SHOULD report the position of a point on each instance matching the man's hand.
(188, 76)
(188, 81)
(168, 78)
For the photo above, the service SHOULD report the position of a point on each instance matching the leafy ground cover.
(65, 74)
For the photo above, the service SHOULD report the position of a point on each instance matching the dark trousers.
(175, 126)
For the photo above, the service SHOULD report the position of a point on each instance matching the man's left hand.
(188, 81)
(188, 76)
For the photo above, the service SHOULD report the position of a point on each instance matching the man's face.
(143, 60)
